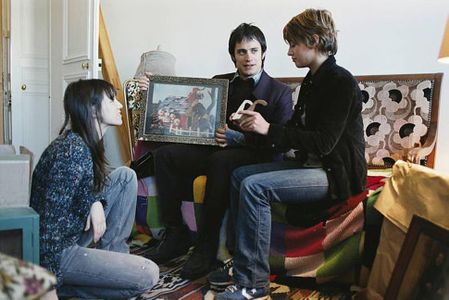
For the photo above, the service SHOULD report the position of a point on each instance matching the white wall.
(375, 37)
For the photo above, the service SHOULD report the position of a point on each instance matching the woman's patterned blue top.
(62, 194)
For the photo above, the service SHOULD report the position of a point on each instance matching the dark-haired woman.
(80, 203)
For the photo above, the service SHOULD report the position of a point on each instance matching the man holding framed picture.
(176, 165)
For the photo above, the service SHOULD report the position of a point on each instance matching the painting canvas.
(183, 110)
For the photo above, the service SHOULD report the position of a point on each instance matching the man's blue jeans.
(253, 188)
(109, 271)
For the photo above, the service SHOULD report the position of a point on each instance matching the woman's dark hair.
(82, 106)
(246, 32)
(303, 27)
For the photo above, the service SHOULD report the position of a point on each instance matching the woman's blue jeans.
(109, 271)
(253, 188)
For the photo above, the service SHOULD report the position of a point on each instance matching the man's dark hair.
(246, 31)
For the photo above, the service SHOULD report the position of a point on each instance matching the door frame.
(5, 84)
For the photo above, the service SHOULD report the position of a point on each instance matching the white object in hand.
(238, 115)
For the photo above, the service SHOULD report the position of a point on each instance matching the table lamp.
(444, 51)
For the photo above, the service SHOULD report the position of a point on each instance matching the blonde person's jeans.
(253, 189)
(109, 271)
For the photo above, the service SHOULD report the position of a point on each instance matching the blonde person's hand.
(97, 218)
(144, 81)
(220, 136)
(253, 122)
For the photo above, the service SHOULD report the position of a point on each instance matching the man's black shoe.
(201, 262)
(222, 277)
(176, 242)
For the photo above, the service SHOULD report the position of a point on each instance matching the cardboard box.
(15, 176)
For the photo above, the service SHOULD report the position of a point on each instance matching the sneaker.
(199, 263)
(235, 292)
(175, 243)
(223, 276)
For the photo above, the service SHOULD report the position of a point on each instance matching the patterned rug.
(172, 287)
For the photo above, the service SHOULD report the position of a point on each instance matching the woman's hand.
(253, 122)
(97, 218)
(144, 81)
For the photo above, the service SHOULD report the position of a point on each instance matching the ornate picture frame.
(183, 110)
(422, 268)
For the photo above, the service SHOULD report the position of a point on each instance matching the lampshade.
(444, 51)
(157, 62)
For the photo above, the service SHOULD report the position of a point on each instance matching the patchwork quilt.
(323, 251)
(327, 249)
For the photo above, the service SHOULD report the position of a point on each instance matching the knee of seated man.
(160, 155)
(221, 160)
(166, 152)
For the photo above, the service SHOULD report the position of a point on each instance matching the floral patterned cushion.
(23, 280)
(399, 116)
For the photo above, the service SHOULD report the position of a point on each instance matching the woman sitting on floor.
(78, 202)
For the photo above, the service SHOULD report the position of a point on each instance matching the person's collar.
(255, 77)
(325, 66)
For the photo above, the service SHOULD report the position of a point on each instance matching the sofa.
(400, 116)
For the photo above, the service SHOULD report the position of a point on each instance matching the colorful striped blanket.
(328, 249)
(322, 251)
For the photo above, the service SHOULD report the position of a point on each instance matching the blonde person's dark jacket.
(333, 129)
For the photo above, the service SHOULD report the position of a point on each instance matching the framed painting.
(183, 110)
(422, 268)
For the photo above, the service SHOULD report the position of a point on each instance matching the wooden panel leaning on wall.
(110, 73)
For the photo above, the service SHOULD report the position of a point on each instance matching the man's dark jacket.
(278, 111)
